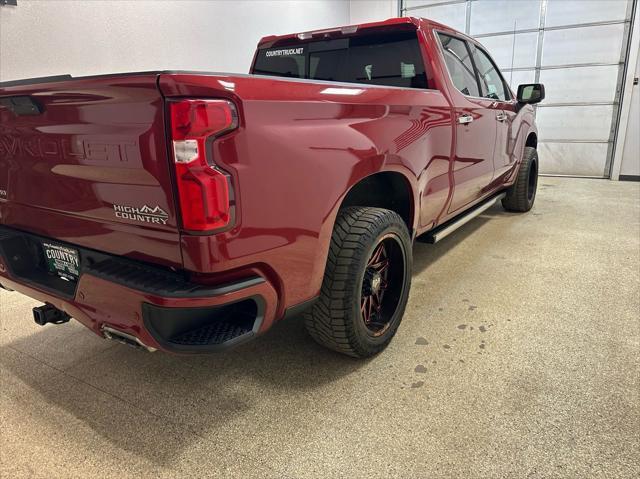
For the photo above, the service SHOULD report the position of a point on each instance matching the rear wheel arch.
(390, 190)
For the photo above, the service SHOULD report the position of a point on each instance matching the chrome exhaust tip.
(125, 338)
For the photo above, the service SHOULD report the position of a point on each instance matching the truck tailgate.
(85, 161)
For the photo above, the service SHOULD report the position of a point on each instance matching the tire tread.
(329, 321)
(517, 195)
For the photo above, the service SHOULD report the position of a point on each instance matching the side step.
(449, 227)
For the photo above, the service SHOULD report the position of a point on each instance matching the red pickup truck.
(188, 212)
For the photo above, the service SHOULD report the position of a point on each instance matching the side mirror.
(530, 93)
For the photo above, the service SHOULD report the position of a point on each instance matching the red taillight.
(203, 189)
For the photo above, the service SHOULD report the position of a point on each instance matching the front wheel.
(366, 283)
(522, 194)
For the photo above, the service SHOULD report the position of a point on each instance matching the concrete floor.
(519, 356)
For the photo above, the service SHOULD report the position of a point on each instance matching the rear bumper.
(160, 308)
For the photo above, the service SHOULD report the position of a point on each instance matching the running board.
(446, 229)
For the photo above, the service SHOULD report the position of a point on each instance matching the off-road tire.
(522, 194)
(335, 320)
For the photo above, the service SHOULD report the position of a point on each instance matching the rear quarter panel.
(300, 147)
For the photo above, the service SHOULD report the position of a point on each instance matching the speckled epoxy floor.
(519, 356)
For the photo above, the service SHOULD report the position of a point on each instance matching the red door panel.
(473, 161)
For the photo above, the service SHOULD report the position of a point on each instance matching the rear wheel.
(522, 194)
(366, 284)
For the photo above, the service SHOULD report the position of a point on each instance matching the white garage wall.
(363, 11)
(40, 38)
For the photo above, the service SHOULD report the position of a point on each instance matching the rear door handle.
(502, 116)
(464, 119)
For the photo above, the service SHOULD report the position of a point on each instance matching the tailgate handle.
(21, 105)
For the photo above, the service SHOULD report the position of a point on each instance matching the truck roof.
(349, 29)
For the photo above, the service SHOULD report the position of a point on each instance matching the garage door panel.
(519, 77)
(453, 15)
(585, 84)
(564, 12)
(598, 44)
(501, 48)
(422, 3)
(581, 159)
(578, 61)
(588, 123)
(490, 16)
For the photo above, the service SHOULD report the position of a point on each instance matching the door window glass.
(490, 79)
(458, 60)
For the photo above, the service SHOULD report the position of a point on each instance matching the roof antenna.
(513, 52)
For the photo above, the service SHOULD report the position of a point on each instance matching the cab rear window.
(391, 59)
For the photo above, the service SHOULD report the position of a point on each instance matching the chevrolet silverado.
(187, 212)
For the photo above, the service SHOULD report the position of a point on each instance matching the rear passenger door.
(475, 116)
(494, 88)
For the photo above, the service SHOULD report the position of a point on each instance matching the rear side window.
(459, 64)
(375, 59)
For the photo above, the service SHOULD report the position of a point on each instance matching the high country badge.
(145, 214)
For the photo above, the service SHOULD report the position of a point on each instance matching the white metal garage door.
(577, 48)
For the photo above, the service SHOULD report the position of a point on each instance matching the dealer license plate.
(63, 261)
